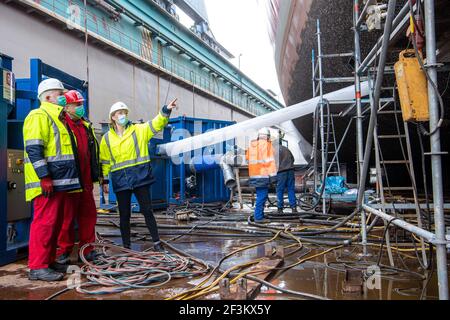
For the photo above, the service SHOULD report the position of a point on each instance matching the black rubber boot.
(294, 210)
(47, 274)
(158, 247)
(63, 259)
(92, 256)
(280, 211)
(60, 268)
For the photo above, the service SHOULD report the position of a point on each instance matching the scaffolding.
(386, 206)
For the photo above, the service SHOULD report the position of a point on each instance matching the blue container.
(209, 185)
(14, 235)
(171, 186)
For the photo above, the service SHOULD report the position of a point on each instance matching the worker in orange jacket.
(262, 167)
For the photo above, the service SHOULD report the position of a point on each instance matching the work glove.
(47, 187)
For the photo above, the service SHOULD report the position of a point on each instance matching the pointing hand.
(172, 105)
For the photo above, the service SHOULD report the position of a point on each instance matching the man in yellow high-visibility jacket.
(125, 157)
(262, 168)
(50, 172)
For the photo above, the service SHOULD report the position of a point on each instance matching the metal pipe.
(250, 127)
(416, 199)
(436, 153)
(381, 193)
(313, 78)
(228, 174)
(322, 126)
(314, 149)
(337, 80)
(359, 124)
(373, 115)
(429, 236)
(337, 55)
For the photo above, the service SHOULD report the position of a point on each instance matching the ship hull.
(294, 34)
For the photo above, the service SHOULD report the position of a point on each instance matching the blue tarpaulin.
(335, 185)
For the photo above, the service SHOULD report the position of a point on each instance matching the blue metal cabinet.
(15, 213)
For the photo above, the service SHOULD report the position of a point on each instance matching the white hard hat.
(49, 84)
(264, 131)
(116, 107)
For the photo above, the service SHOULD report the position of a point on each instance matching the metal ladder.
(331, 146)
(403, 138)
(334, 166)
(388, 107)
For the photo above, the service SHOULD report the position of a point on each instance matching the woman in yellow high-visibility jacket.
(125, 157)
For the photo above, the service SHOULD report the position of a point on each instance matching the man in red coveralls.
(80, 206)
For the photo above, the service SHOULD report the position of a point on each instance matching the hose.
(287, 291)
(430, 81)
(134, 270)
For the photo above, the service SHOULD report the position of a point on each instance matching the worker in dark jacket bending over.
(80, 206)
(286, 179)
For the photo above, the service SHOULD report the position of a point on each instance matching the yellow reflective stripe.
(56, 183)
(57, 134)
(154, 131)
(120, 165)
(39, 164)
(34, 142)
(109, 147)
(136, 145)
(263, 177)
(66, 157)
(32, 185)
(65, 182)
(262, 161)
(129, 163)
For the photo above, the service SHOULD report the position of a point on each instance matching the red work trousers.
(79, 207)
(47, 221)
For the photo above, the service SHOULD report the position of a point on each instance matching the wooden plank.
(252, 287)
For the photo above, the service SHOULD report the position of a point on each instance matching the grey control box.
(18, 208)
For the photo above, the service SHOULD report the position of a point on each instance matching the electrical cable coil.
(129, 269)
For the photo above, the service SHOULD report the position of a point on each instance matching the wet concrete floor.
(323, 276)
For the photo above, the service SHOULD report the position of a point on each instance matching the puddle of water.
(312, 276)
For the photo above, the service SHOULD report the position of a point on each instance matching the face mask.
(61, 101)
(79, 112)
(122, 120)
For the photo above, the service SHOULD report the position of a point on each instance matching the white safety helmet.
(116, 107)
(264, 132)
(49, 84)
